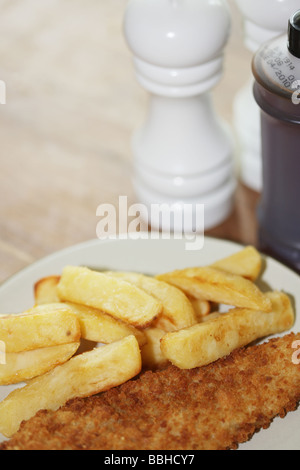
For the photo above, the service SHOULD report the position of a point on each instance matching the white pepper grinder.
(263, 20)
(183, 154)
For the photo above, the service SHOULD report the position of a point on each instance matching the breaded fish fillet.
(215, 407)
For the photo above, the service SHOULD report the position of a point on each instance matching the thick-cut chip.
(116, 297)
(202, 308)
(26, 365)
(95, 325)
(246, 263)
(177, 310)
(207, 342)
(45, 290)
(82, 376)
(218, 286)
(102, 328)
(152, 356)
(40, 327)
(211, 316)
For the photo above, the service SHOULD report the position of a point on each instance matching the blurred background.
(73, 103)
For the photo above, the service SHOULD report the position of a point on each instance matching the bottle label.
(281, 68)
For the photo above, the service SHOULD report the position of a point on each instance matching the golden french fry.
(116, 297)
(95, 325)
(210, 317)
(218, 286)
(202, 308)
(45, 290)
(177, 312)
(207, 342)
(40, 327)
(102, 328)
(26, 365)
(152, 357)
(82, 376)
(246, 263)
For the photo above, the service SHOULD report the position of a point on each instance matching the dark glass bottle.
(276, 68)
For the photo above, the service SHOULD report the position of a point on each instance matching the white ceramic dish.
(151, 257)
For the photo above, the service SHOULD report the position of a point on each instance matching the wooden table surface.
(72, 105)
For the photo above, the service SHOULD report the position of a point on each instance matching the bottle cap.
(294, 35)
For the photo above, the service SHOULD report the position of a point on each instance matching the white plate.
(151, 257)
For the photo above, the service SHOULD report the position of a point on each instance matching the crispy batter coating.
(212, 408)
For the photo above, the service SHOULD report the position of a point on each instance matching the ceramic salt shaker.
(183, 153)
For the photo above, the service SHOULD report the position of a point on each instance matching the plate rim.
(95, 241)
